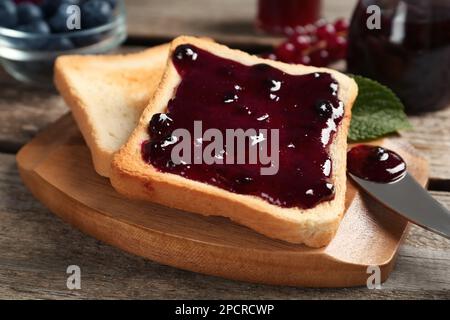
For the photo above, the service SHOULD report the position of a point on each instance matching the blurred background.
(401, 51)
(231, 21)
(38, 30)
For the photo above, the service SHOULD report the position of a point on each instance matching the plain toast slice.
(135, 178)
(107, 94)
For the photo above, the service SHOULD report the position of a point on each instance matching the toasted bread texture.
(107, 95)
(314, 227)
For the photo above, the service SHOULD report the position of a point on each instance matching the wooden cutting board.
(56, 167)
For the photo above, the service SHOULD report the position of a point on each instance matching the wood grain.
(36, 247)
(24, 110)
(431, 136)
(230, 22)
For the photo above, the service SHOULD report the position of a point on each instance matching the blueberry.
(59, 44)
(58, 22)
(324, 108)
(95, 13)
(261, 67)
(185, 52)
(163, 145)
(170, 164)
(36, 27)
(49, 7)
(329, 189)
(28, 12)
(112, 3)
(87, 40)
(8, 14)
(243, 180)
(159, 125)
(39, 26)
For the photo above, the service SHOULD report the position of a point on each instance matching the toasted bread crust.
(130, 79)
(314, 227)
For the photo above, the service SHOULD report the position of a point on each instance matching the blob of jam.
(375, 164)
(224, 94)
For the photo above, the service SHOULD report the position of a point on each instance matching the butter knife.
(407, 198)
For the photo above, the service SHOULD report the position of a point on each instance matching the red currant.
(300, 30)
(289, 31)
(324, 54)
(315, 44)
(320, 23)
(341, 25)
(286, 52)
(305, 60)
(302, 42)
(310, 29)
(338, 47)
(270, 56)
(325, 32)
(320, 58)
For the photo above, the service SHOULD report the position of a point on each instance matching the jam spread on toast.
(225, 94)
(375, 164)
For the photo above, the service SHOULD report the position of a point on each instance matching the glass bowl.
(22, 57)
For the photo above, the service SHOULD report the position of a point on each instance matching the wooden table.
(36, 247)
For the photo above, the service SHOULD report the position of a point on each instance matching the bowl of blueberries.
(33, 33)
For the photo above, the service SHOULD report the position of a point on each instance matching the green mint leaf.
(377, 112)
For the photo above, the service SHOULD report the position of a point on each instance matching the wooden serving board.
(56, 167)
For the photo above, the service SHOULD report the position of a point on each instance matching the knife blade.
(407, 197)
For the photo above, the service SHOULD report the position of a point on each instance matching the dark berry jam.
(285, 16)
(225, 94)
(375, 164)
(409, 52)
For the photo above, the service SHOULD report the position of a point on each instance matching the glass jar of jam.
(284, 16)
(404, 44)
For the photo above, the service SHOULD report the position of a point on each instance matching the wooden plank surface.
(36, 248)
(24, 110)
(431, 136)
(230, 21)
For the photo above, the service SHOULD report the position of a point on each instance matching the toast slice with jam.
(299, 115)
